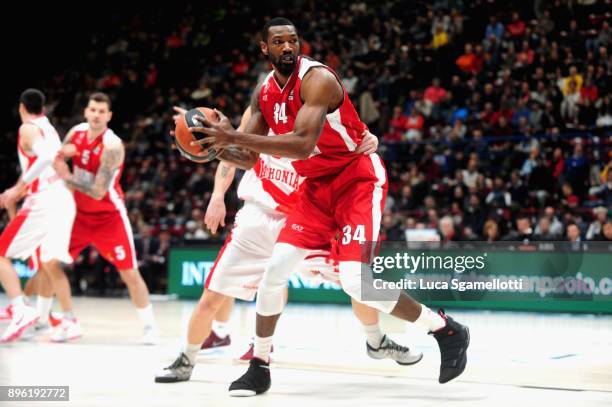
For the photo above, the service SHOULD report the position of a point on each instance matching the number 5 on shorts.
(119, 252)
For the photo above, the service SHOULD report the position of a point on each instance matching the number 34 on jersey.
(279, 113)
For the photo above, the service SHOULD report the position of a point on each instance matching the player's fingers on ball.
(179, 109)
(203, 120)
(220, 114)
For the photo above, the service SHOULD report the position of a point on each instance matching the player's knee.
(210, 302)
(275, 274)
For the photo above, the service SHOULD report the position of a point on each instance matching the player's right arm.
(253, 122)
(33, 143)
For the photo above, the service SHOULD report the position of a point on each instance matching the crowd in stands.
(493, 117)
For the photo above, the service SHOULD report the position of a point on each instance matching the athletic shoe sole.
(410, 363)
(20, 331)
(242, 393)
(72, 338)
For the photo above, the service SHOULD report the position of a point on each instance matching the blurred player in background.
(269, 191)
(44, 220)
(101, 220)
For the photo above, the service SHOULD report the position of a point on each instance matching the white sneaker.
(68, 330)
(24, 317)
(150, 336)
(38, 329)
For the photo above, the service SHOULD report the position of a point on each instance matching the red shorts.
(110, 233)
(351, 202)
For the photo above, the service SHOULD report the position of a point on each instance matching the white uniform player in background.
(269, 191)
(45, 218)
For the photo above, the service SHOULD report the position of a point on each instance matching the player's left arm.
(110, 161)
(321, 93)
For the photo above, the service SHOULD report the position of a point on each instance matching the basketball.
(184, 136)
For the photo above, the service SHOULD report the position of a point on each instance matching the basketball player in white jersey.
(46, 217)
(269, 191)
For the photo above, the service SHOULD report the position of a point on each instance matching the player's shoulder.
(319, 81)
(79, 128)
(28, 127)
(111, 139)
(306, 65)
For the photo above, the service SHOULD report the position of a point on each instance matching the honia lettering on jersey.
(276, 174)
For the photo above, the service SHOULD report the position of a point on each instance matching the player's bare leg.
(453, 338)
(43, 289)
(219, 336)
(378, 344)
(31, 286)
(200, 327)
(61, 285)
(139, 294)
(69, 328)
(23, 316)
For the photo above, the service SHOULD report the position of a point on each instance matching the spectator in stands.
(494, 29)
(595, 228)
(523, 232)
(606, 233)
(446, 229)
(414, 126)
(572, 233)
(491, 231)
(543, 230)
(604, 192)
(517, 27)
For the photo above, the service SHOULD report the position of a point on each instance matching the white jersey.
(48, 179)
(272, 183)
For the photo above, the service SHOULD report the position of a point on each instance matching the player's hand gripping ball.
(183, 136)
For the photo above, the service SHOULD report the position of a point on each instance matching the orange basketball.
(183, 136)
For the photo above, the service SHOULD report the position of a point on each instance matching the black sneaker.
(255, 381)
(453, 340)
(179, 371)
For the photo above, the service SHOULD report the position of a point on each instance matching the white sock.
(374, 335)
(220, 328)
(146, 316)
(68, 315)
(262, 348)
(432, 321)
(191, 351)
(19, 301)
(43, 306)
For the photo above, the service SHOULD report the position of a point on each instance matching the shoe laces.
(395, 348)
(179, 362)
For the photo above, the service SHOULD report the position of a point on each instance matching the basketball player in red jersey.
(101, 218)
(45, 218)
(305, 104)
(241, 262)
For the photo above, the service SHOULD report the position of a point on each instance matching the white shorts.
(45, 221)
(241, 262)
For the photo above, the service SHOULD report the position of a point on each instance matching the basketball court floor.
(515, 359)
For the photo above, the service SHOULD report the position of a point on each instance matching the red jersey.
(342, 131)
(86, 164)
